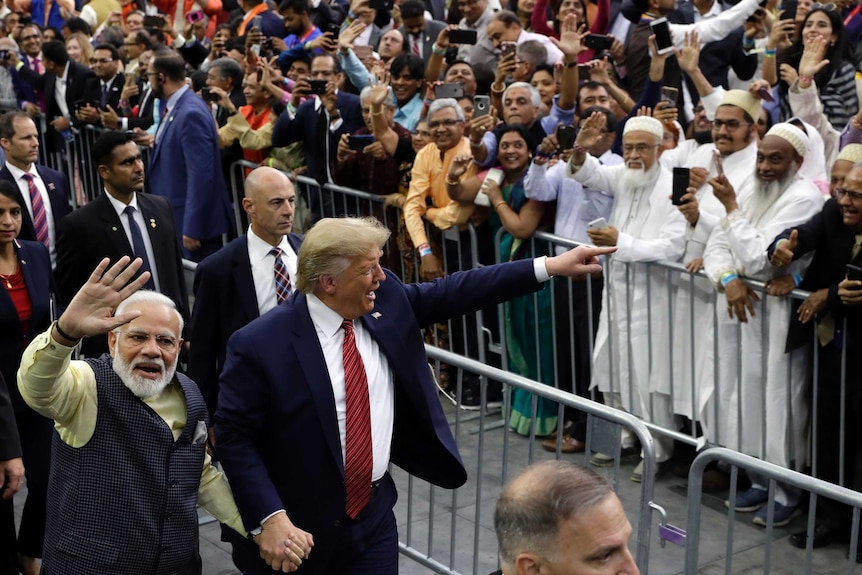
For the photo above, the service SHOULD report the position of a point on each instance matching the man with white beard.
(756, 410)
(130, 461)
(645, 227)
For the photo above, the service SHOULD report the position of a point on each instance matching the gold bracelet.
(498, 90)
(498, 204)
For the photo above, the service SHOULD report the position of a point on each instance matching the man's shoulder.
(218, 262)
(49, 173)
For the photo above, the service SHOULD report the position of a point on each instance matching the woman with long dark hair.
(836, 82)
(25, 311)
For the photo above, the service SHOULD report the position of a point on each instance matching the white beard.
(764, 195)
(142, 387)
(632, 178)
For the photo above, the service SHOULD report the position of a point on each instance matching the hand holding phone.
(719, 167)
(680, 185)
(660, 27)
(597, 224)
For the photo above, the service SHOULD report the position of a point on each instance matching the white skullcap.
(791, 134)
(851, 153)
(644, 124)
(742, 99)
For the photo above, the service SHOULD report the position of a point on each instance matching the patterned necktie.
(358, 456)
(40, 218)
(138, 246)
(416, 46)
(282, 280)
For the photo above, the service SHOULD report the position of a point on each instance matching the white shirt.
(262, 269)
(46, 201)
(144, 226)
(381, 382)
(554, 53)
(60, 92)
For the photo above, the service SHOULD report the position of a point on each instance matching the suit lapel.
(113, 226)
(241, 272)
(36, 288)
(313, 366)
(157, 233)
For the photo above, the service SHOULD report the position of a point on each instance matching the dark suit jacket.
(93, 90)
(832, 242)
(94, 232)
(10, 443)
(75, 91)
(144, 118)
(225, 301)
(185, 167)
(429, 36)
(276, 392)
(36, 267)
(59, 193)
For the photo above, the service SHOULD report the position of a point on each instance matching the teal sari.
(527, 320)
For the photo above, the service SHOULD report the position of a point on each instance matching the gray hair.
(534, 94)
(533, 53)
(390, 99)
(444, 103)
(533, 506)
(228, 68)
(151, 297)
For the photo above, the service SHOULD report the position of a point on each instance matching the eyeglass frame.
(853, 195)
(447, 123)
(169, 343)
(828, 7)
(730, 125)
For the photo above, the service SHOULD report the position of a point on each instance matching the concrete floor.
(468, 544)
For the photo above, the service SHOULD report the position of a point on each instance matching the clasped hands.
(283, 545)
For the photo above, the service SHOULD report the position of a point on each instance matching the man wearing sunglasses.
(834, 312)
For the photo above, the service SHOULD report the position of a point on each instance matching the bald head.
(269, 202)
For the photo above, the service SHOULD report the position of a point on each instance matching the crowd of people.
(724, 137)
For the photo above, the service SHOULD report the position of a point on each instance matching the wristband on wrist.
(806, 79)
(428, 101)
(728, 277)
(747, 42)
(797, 280)
(451, 182)
(498, 204)
(437, 50)
(769, 53)
(63, 334)
(425, 251)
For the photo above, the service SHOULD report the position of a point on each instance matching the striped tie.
(40, 219)
(416, 46)
(282, 280)
(358, 456)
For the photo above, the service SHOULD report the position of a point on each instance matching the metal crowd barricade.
(815, 487)
(423, 512)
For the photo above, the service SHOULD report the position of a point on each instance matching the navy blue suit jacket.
(185, 167)
(59, 193)
(276, 427)
(225, 301)
(36, 267)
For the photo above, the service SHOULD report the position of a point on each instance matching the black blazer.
(75, 90)
(225, 301)
(95, 231)
(59, 193)
(93, 90)
(832, 243)
(36, 267)
(10, 443)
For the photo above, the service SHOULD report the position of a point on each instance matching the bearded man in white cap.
(645, 227)
(756, 406)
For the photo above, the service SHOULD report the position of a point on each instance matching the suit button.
(336, 523)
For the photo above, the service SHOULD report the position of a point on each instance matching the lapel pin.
(50, 185)
(376, 315)
(153, 223)
(113, 228)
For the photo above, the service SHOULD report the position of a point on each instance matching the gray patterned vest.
(125, 503)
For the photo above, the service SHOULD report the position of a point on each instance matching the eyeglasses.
(641, 149)
(151, 74)
(101, 60)
(447, 123)
(855, 196)
(731, 125)
(140, 339)
(829, 7)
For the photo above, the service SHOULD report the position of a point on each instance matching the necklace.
(8, 278)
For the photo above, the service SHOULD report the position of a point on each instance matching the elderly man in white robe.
(645, 227)
(758, 420)
(690, 376)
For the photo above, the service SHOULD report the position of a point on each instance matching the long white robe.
(761, 390)
(633, 326)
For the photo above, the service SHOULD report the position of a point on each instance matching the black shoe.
(471, 400)
(823, 535)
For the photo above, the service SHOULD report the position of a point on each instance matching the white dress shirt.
(381, 382)
(18, 174)
(143, 225)
(262, 266)
(60, 92)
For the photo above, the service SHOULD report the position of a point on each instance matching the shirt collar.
(18, 172)
(326, 320)
(119, 206)
(109, 82)
(259, 249)
(172, 101)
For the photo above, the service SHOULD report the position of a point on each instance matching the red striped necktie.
(40, 219)
(358, 455)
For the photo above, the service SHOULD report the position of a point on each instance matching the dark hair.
(78, 25)
(336, 63)
(170, 64)
(610, 118)
(7, 123)
(532, 508)
(412, 8)
(235, 43)
(522, 131)
(55, 51)
(103, 149)
(414, 64)
(508, 18)
(544, 68)
(113, 35)
(115, 54)
(298, 6)
(835, 53)
(11, 191)
(228, 68)
(142, 37)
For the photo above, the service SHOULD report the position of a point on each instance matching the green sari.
(527, 320)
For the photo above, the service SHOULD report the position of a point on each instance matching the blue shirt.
(408, 114)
